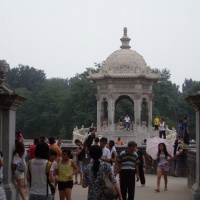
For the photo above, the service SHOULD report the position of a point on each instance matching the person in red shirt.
(32, 148)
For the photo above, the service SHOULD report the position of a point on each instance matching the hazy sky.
(64, 37)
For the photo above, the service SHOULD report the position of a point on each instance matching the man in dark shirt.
(186, 131)
(88, 142)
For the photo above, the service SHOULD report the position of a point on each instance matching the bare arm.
(51, 177)
(75, 167)
(118, 190)
(143, 159)
(137, 172)
(118, 168)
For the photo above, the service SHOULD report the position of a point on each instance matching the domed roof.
(125, 63)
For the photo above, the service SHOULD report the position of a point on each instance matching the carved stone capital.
(137, 96)
(150, 97)
(97, 97)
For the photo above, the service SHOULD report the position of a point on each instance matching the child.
(52, 158)
(66, 169)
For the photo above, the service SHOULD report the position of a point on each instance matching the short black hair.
(68, 151)
(36, 140)
(52, 140)
(77, 141)
(95, 152)
(42, 150)
(52, 152)
(104, 139)
(132, 143)
(96, 139)
(111, 143)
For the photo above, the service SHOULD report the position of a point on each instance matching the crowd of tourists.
(183, 130)
(45, 168)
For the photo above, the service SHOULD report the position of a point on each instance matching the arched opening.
(124, 105)
(104, 113)
(144, 110)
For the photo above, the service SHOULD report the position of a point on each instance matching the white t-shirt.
(127, 119)
(106, 153)
(112, 150)
(38, 176)
(17, 159)
(162, 126)
(54, 165)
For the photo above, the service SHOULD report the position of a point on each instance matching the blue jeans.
(40, 197)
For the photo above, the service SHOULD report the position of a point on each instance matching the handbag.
(21, 166)
(108, 189)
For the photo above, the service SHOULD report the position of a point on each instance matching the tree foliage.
(55, 106)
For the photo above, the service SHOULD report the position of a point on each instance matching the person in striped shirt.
(127, 167)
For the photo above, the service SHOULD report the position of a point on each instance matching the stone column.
(1, 129)
(194, 101)
(137, 113)
(99, 111)
(111, 114)
(8, 130)
(195, 190)
(150, 115)
(8, 106)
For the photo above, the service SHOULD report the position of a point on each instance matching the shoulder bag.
(108, 189)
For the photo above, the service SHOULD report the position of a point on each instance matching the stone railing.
(82, 133)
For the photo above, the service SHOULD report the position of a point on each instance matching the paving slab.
(177, 189)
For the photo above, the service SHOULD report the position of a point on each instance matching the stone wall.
(191, 167)
(187, 169)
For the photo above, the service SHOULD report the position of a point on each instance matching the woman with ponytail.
(93, 174)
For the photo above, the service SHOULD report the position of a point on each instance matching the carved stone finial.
(125, 40)
(125, 31)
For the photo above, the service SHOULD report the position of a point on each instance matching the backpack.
(48, 166)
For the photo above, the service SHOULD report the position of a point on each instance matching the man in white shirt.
(127, 122)
(106, 156)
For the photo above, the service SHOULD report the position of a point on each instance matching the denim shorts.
(163, 167)
(80, 166)
(40, 197)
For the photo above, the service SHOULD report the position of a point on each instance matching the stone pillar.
(8, 106)
(99, 113)
(137, 113)
(150, 115)
(111, 115)
(8, 130)
(195, 190)
(194, 101)
(1, 123)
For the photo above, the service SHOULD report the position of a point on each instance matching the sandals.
(76, 182)
(165, 188)
(157, 190)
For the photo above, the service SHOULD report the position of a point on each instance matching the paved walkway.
(177, 189)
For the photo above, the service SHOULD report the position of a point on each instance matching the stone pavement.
(177, 189)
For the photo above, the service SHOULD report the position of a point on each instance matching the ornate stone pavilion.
(124, 75)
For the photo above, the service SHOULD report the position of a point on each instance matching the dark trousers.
(162, 133)
(186, 138)
(156, 127)
(141, 174)
(127, 183)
